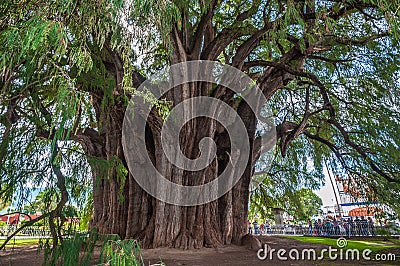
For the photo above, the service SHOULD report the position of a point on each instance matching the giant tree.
(329, 69)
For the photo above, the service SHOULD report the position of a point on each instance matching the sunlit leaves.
(46, 59)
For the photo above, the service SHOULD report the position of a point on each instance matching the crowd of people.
(349, 227)
(255, 228)
(355, 226)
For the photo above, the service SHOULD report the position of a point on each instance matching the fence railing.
(33, 230)
(324, 230)
(349, 230)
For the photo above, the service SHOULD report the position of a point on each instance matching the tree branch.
(197, 40)
(227, 35)
(360, 150)
(64, 196)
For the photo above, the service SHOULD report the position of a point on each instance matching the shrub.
(123, 252)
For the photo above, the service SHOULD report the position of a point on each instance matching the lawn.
(373, 244)
(21, 242)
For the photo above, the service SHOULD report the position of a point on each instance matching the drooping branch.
(53, 213)
(287, 138)
(56, 212)
(330, 145)
(361, 42)
(360, 150)
(116, 67)
(301, 73)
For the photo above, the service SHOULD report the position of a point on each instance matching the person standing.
(262, 228)
(352, 227)
(256, 229)
(328, 227)
(315, 227)
(346, 226)
(371, 226)
(364, 226)
(319, 227)
(357, 225)
(268, 227)
(310, 228)
(249, 226)
(336, 230)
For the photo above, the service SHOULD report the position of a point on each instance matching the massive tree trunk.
(122, 207)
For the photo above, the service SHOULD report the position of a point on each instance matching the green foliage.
(51, 52)
(122, 252)
(86, 214)
(79, 249)
(76, 250)
(302, 204)
(4, 204)
(361, 79)
(289, 184)
(44, 201)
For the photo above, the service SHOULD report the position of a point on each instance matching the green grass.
(21, 242)
(374, 245)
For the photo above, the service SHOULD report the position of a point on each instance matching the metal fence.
(33, 230)
(326, 230)
(322, 230)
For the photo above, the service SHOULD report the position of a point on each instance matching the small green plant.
(77, 249)
(122, 253)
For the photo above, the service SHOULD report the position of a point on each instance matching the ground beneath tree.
(228, 255)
